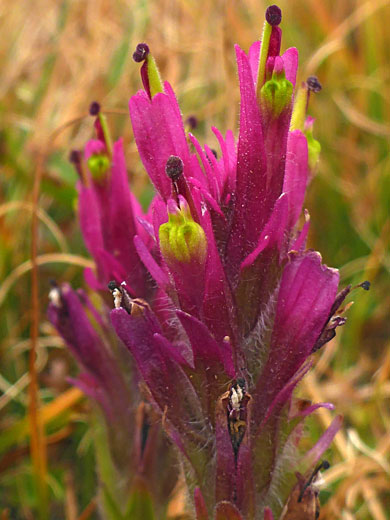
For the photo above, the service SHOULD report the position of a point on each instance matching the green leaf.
(118, 62)
(110, 508)
(141, 503)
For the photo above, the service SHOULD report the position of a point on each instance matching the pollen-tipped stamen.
(150, 74)
(273, 17)
(174, 169)
(302, 102)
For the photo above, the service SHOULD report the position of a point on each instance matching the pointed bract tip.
(141, 52)
(313, 84)
(94, 108)
(273, 15)
(174, 167)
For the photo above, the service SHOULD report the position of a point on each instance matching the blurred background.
(56, 57)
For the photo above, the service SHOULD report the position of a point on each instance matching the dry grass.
(57, 57)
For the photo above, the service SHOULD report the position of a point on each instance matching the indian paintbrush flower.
(237, 305)
(138, 450)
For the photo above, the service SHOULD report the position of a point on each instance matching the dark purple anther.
(112, 285)
(313, 84)
(192, 122)
(174, 168)
(365, 285)
(273, 15)
(94, 108)
(75, 157)
(141, 52)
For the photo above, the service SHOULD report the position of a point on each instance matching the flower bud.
(313, 146)
(181, 239)
(98, 165)
(275, 94)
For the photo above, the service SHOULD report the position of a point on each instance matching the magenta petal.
(227, 511)
(310, 409)
(306, 295)
(159, 214)
(209, 175)
(72, 323)
(122, 226)
(206, 350)
(91, 388)
(92, 281)
(228, 156)
(200, 506)
(218, 307)
(268, 514)
(90, 219)
(275, 41)
(151, 265)
(260, 273)
(101, 371)
(290, 60)
(171, 350)
(94, 146)
(212, 202)
(231, 149)
(159, 133)
(253, 57)
(251, 211)
(296, 175)
(152, 155)
(313, 456)
(110, 268)
(168, 384)
(285, 393)
(273, 233)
